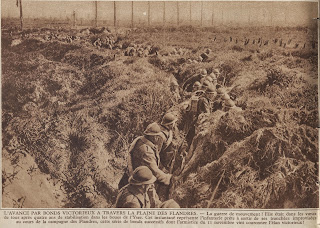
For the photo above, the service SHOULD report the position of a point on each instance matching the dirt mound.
(53, 50)
(71, 110)
(270, 168)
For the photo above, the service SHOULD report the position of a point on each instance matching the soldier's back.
(126, 199)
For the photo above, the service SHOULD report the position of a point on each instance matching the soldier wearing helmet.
(145, 151)
(219, 77)
(229, 104)
(190, 81)
(196, 86)
(174, 88)
(140, 192)
(214, 78)
(168, 127)
(206, 84)
(206, 78)
(204, 104)
(222, 95)
(203, 72)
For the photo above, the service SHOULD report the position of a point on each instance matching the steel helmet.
(221, 91)
(208, 78)
(196, 84)
(153, 129)
(229, 103)
(203, 72)
(211, 90)
(225, 96)
(142, 175)
(168, 119)
(213, 76)
(206, 83)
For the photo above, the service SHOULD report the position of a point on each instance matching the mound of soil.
(71, 110)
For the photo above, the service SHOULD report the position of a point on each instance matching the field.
(74, 99)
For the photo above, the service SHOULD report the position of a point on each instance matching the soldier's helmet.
(206, 84)
(213, 76)
(209, 78)
(196, 84)
(203, 72)
(229, 103)
(153, 129)
(168, 119)
(225, 96)
(142, 175)
(216, 71)
(211, 90)
(221, 91)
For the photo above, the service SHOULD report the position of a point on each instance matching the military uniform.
(167, 150)
(131, 197)
(140, 192)
(190, 81)
(204, 105)
(145, 153)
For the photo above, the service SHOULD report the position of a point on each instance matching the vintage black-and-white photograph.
(159, 104)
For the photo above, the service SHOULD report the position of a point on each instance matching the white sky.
(260, 12)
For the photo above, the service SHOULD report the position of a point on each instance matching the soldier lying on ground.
(140, 192)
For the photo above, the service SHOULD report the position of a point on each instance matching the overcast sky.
(269, 13)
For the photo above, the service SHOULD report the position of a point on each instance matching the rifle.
(189, 128)
(176, 152)
(215, 190)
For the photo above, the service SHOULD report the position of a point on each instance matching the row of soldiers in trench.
(155, 157)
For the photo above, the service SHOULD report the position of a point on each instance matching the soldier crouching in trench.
(140, 192)
(145, 151)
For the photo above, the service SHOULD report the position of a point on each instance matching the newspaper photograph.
(176, 113)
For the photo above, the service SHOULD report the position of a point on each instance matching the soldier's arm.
(150, 161)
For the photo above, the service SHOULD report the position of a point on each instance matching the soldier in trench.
(168, 127)
(203, 106)
(145, 151)
(140, 192)
(190, 81)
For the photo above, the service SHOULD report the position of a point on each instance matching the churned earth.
(73, 101)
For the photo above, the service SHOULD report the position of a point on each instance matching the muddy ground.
(73, 101)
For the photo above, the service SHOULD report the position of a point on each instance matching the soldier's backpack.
(194, 104)
(194, 101)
